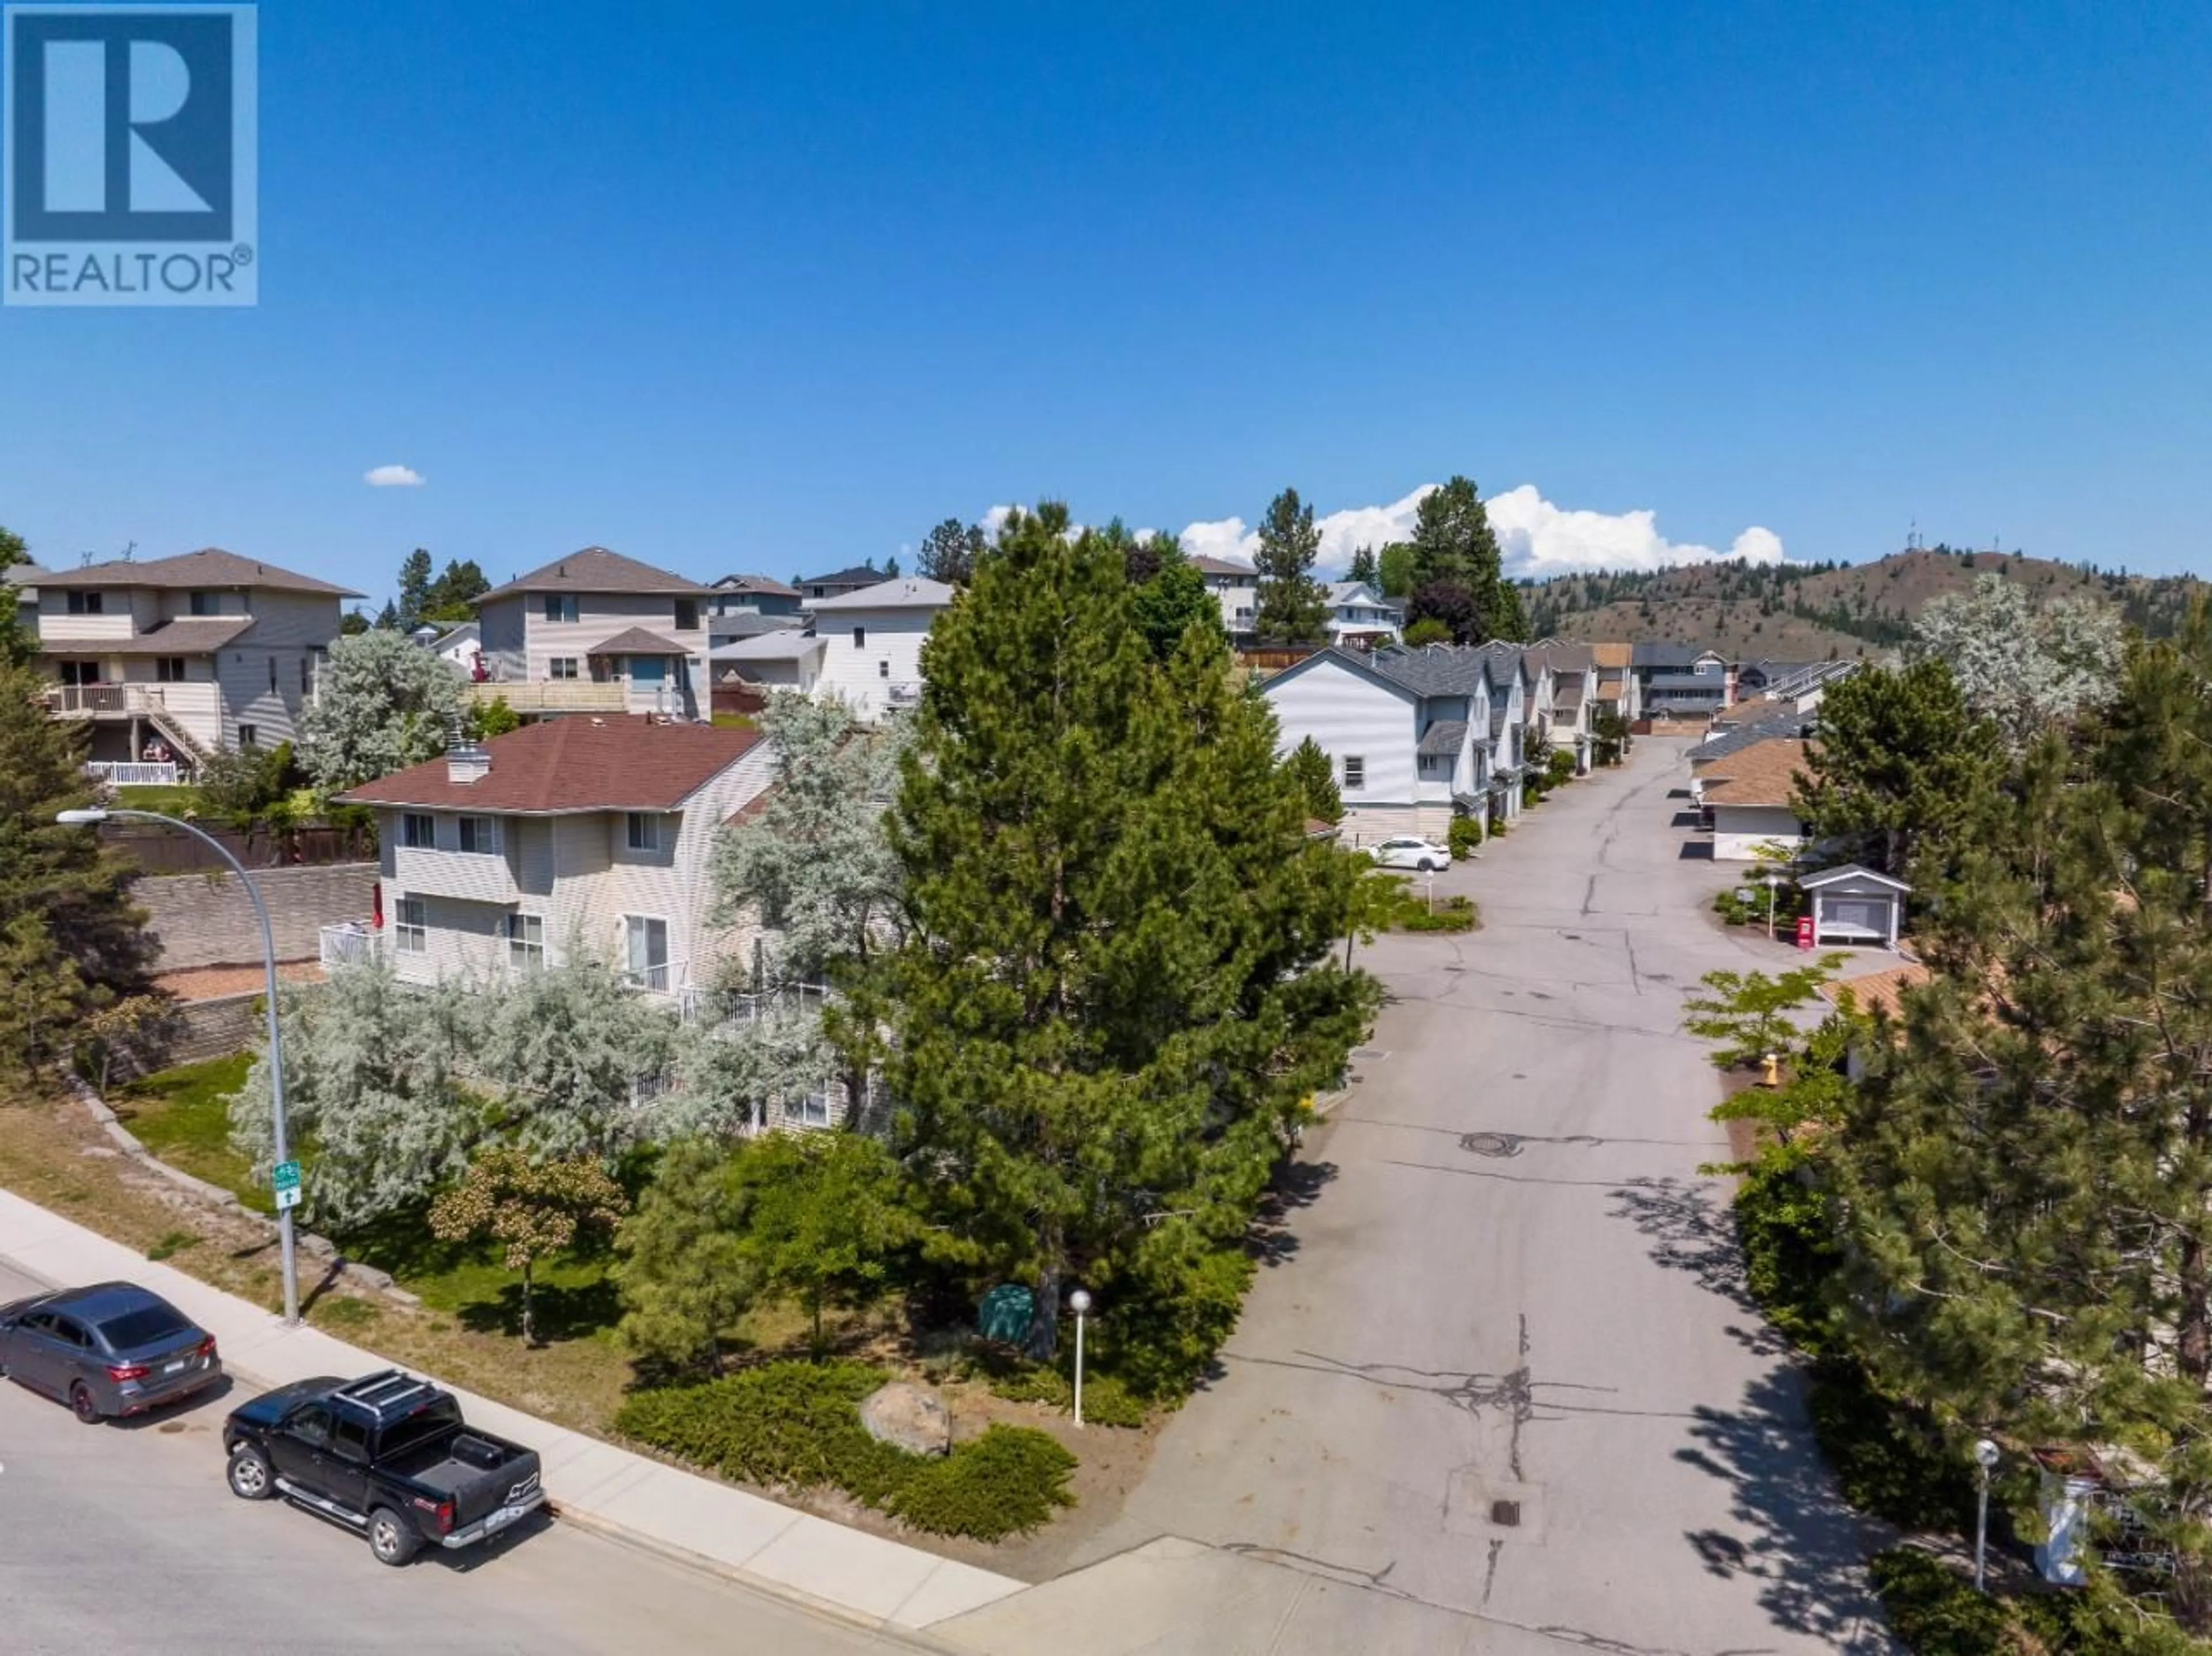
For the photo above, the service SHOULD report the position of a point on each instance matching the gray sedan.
(114, 1348)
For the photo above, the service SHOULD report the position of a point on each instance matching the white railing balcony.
(350, 943)
(903, 695)
(119, 774)
(552, 696)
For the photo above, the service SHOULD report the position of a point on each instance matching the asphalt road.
(123, 1537)
(1505, 1363)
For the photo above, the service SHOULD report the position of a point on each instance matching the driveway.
(1504, 1365)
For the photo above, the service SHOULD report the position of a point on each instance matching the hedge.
(797, 1426)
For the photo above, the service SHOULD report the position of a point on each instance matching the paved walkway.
(1501, 1388)
(848, 1572)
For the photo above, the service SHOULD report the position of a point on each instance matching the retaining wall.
(205, 920)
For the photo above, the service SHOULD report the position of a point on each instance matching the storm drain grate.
(1505, 1514)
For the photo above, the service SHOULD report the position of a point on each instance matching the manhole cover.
(1505, 1514)
(1500, 1145)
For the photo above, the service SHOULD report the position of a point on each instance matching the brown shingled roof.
(1881, 991)
(596, 569)
(208, 567)
(637, 640)
(1766, 773)
(200, 635)
(1613, 655)
(625, 762)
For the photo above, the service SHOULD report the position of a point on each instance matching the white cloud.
(1540, 538)
(393, 476)
(1536, 537)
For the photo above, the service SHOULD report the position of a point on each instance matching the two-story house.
(586, 835)
(1569, 697)
(1619, 691)
(190, 654)
(1682, 682)
(1236, 587)
(815, 587)
(1414, 735)
(748, 606)
(872, 643)
(596, 632)
(1361, 617)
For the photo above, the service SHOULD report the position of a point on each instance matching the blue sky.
(727, 289)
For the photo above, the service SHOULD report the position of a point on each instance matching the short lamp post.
(1079, 1303)
(93, 817)
(1773, 882)
(1985, 1458)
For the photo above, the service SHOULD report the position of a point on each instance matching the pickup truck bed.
(449, 1467)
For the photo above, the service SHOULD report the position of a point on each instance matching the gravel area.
(209, 982)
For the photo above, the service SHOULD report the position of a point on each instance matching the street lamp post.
(1985, 1458)
(92, 817)
(1079, 1303)
(1773, 882)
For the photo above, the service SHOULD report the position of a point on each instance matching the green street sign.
(284, 1176)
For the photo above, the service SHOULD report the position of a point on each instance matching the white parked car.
(1425, 856)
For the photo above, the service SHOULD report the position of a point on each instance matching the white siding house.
(1408, 733)
(1236, 587)
(199, 652)
(1749, 794)
(1359, 614)
(577, 836)
(872, 643)
(596, 632)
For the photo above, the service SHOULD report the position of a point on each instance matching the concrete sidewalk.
(862, 1577)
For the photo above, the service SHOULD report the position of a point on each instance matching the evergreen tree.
(1316, 778)
(950, 551)
(1453, 543)
(1291, 608)
(451, 596)
(1364, 567)
(1396, 567)
(1900, 764)
(414, 589)
(1112, 1000)
(71, 942)
(1176, 601)
(684, 1273)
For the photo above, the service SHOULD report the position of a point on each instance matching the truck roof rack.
(386, 1392)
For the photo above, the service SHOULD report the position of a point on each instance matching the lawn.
(183, 1117)
(176, 802)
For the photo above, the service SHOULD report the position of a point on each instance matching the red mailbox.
(1804, 931)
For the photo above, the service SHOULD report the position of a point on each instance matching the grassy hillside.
(1810, 611)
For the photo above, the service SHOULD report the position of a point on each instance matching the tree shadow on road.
(1691, 1231)
(1797, 1538)
(1297, 1184)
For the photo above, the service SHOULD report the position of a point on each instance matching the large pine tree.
(1458, 571)
(1291, 607)
(1115, 993)
(2028, 1171)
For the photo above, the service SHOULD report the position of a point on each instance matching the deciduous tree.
(821, 1216)
(1176, 601)
(532, 1210)
(385, 703)
(2023, 667)
(568, 1052)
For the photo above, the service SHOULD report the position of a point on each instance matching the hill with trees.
(1814, 611)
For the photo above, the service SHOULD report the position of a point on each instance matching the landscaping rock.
(908, 1416)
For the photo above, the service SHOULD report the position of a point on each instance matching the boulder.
(910, 1417)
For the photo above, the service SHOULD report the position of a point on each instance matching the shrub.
(1889, 1459)
(1010, 1480)
(1106, 1400)
(1935, 1613)
(1737, 909)
(1456, 913)
(1463, 836)
(797, 1426)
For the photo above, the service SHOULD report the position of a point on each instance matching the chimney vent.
(467, 763)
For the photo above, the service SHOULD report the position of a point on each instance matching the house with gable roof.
(596, 632)
(1415, 736)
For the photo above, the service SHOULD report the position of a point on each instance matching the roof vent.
(467, 763)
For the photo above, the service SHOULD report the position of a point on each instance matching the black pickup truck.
(387, 1455)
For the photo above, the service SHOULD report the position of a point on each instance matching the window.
(884, 668)
(418, 831)
(307, 675)
(312, 1426)
(1355, 772)
(272, 675)
(687, 614)
(562, 667)
(480, 836)
(349, 1438)
(411, 925)
(643, 830)
(80, 603)
(813, 1109)
(168, 669)
(525, 942)
(206, 603)
(645, 947)
(249, 735)
(860, 638)
(560, 607)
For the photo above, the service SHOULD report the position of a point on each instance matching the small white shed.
(1854, 906)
